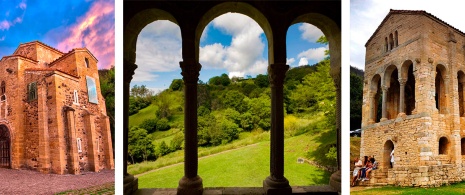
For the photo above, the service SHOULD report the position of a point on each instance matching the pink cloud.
(95, 30)
(5, 25)
(23, 5)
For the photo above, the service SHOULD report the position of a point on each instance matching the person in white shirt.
(356, 173)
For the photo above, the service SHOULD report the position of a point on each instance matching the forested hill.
(356, 97)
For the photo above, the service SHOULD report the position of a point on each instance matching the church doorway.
(388, 147)
(4, 147)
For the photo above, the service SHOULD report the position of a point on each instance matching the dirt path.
(230, 150)
(31, 182)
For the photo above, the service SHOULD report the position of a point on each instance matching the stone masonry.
(413, 101)
(53, 112)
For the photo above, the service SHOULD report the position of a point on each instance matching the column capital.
(277, 73)
(372, 94)
(190, 71)
(128, 68)
(385, 88)
(402, 81)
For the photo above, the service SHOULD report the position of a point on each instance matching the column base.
(335, 180)
(190, 186)
(130, 184)
(383, 119)
(277, 187)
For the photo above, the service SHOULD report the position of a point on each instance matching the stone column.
(402, 83)
(384, 111)
(130, 183)
(372, 100)
(191, 183)
(447, 104)
(92, 153)
(276, 183)
(335, 180)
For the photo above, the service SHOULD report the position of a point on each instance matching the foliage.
(107, 88)
(220, 80)
(177, 85)
(176, 142)
(163, 124)
(163, 102)
(140, 144)
(235, 100)
(149, 124)
(356, 98)
(162, 149)
(262, 81)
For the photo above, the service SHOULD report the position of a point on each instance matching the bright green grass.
(166, 136)
(247, 138)
(244, 167)
(143, 114)
(444, 190)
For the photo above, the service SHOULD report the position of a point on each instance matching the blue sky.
(366, 16)
(231, 43)
(61, 24)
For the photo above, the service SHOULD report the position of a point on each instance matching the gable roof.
(71, 52)
(39, 43)
(412, 12)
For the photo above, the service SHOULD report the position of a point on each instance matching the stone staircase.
(378, 177)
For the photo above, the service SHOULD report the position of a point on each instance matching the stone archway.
(444, 145)
(388, 147)
(5, 141)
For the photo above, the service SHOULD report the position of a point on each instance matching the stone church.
(413, 100)
(52, 115)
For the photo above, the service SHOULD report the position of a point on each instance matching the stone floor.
(14, 181)
(324, 189)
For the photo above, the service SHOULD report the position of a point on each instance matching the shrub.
(149, 124)
(163, 124)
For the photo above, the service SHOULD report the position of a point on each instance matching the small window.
(2, 91)
(32, 91)
(76, 98)
(87, 62)
(443, 145)
(92, 90)
(98, 145)
(79, 144)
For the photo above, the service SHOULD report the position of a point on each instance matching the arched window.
(440, 92)
(32, 91)
(78, 144)
(391, 42)
(76, 98)
(87, 62)
(462, 144)
(396, 39)
(386, 49)
(2, 91)
(443, 145)
(461, 82)
(388, 147)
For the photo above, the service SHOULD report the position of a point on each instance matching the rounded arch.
(332, 33)
(444, 145)
(375, 82)
(5, 147)
(440, 88)
(460, 91)
(237, 7)
(136, 24)
(391, 41)
(388, 148)
(375, 98)
(408, 77)
(388, 73)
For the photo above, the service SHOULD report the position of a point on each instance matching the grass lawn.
(108, 188)
(444, 190)
(245, 167)
(143, 114)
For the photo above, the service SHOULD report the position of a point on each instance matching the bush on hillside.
(163, 124)
(149, 124)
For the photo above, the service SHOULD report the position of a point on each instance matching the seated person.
(356, 173)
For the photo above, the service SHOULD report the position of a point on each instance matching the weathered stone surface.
(45, 130)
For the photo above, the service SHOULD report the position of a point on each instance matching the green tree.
(262, 81)
(149, 124)
(177, 85)
(140, 144)
(176, 142)
(163, 102)
(235, 100)
(107, 88)
(163, 124)
(162, 149)
(356, 101)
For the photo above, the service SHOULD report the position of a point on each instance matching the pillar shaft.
(191, 183)
(372, 98)
(384, 111)
(276, 183)
(402, 95)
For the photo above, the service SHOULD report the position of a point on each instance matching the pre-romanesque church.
(413, 100)
(52, 115)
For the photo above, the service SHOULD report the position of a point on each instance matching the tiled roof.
(69, 53)
(412, 12)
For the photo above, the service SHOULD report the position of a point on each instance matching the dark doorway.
(388, 147)
(4, 147)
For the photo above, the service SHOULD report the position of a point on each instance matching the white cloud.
(245, 53)
(303, 61)
(290, 61)
(310, 33)
(159, 49)
(316, 54)
(366, 16)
